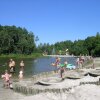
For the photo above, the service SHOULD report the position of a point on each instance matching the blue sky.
(53, 20)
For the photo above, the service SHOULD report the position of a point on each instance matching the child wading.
(6, 77)
(62, 70)
(22, 65)
(20, 75)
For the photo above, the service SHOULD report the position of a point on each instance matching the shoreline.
(80, 92)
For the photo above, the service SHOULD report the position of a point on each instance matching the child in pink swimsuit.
(6, 77)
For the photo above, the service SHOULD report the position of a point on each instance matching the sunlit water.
(35, 66)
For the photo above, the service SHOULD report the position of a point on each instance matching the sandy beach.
(85, 92)
(7, 94)
(77, 92)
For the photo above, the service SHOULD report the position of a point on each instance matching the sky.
(53, 20)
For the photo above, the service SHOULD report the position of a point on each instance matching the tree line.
(88, 46)
(17, 40)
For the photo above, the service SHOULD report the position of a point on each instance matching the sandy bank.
(78, 92)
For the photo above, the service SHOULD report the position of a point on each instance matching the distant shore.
(33, 55)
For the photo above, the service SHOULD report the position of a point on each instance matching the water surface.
(35, 66)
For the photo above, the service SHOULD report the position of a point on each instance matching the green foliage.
(16, 40)
(89, 46)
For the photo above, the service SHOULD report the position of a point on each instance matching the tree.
(90, 44)
(16, 40)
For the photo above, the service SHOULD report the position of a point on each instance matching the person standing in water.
(20, 75)
(22, 65)
(78, 62)
(57, 64)
(21, 70)
(11, 66)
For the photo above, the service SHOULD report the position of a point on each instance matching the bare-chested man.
(12, 66)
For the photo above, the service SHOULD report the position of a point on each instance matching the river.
(35, 66)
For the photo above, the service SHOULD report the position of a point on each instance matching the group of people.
(60, 67)
(83, 59)
(10, 72)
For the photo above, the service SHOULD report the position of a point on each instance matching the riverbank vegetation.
(88, 46)
(19, 42)
(33, 55)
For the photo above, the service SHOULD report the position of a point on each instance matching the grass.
(33, 55)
